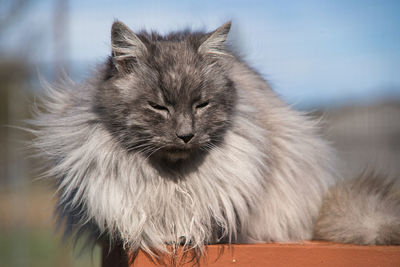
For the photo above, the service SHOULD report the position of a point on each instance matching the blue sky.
(313, 52)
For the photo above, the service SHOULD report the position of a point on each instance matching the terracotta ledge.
(302, 254)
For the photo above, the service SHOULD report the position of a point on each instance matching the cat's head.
(168, 96)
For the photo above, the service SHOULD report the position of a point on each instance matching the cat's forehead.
(179, 55)
(181, 83)
(180, 70)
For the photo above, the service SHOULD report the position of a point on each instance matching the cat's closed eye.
(158, 107)
(202, 105)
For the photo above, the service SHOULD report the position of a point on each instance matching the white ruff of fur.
(268, 180)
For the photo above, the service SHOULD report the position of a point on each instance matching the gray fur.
(365, 210)
(254, 170)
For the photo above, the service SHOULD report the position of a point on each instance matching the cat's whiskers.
(138, 147)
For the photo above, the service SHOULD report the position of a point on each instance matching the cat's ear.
(215, 42)
(126, 46)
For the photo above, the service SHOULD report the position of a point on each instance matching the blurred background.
(339, 59)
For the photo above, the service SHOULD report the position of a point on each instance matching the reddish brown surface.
(304, 254)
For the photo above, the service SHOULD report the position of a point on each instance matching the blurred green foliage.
(41, 248)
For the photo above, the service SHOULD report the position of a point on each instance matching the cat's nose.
(185, 137)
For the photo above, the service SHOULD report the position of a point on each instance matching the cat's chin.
(173, 154)
(177, 154)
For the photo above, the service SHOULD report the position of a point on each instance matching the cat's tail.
(364, 210)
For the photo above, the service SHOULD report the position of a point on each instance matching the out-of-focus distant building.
(366, 136)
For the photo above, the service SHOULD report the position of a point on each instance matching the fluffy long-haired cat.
(176, 140)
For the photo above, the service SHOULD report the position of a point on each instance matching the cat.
(175, 140)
